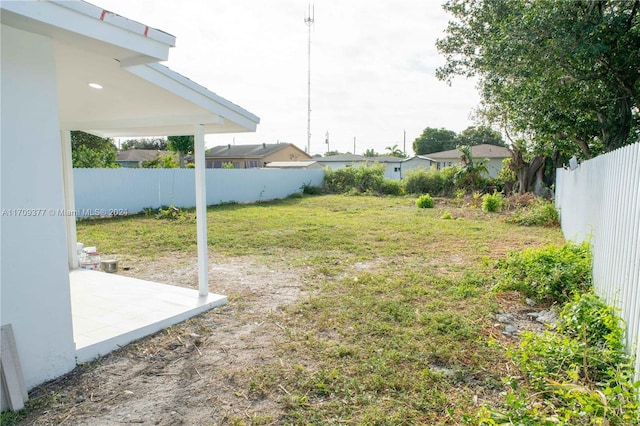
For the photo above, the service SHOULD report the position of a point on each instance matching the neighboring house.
(394, 167)
(495, 155)
(416, 162)
(253, 156)
(133, 158)
(311, 164)
(50, 51)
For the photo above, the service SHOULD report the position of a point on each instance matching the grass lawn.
(396, 327)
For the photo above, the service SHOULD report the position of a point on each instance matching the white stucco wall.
(414, 163)
(114, 191)
(34, 272)
(494, 166)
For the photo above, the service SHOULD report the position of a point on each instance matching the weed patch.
(552, 274)
(492, 202)
(577, 374)
(539, 212)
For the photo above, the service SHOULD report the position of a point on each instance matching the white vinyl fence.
(116, 191)
(600, 202)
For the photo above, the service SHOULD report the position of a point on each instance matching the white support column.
(69, 198)
(201, 209)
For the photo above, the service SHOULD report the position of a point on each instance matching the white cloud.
(372, 66)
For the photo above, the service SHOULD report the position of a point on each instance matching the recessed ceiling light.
(95, 85)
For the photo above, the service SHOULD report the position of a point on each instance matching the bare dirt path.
(195, 373)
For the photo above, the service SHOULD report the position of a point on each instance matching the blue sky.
(372, 66)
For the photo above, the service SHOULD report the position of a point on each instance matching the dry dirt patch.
(194, 373)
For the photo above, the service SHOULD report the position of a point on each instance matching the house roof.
(477, 151)
(139, 96)
(247, 151)
(341, 158)
(350, 158)
(419, 157)
(385, 159)
(290, 164)
(140, 154)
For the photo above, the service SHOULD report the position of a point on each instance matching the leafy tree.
(480, 135)
(90, 151)
(161, 162)
(562, 73)
(370, 153)
(394, 151)
(435, 140)
(144, 143)
(330, 153)
(182, 145)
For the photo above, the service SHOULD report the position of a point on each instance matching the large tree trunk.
(526, 172)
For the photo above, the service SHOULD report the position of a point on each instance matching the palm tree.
(471, 173)
(394, 151)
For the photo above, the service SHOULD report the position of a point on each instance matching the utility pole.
(354, 145)
(309, 20)
(404, 143)
(326, 140)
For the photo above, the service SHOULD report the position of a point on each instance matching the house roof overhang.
(139, 97)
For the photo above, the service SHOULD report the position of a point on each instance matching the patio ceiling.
(138, 100)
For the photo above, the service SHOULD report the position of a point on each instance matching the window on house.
(396, 169)
(252, 164)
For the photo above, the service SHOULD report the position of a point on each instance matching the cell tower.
(309, 20)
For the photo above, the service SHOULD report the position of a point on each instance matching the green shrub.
(589, 318)
(161, 162)
(540, 213)
(471, 181)
(586, 345)
(550, 274)
(425, 202)
(446, 216)
(389, 187)
(432, 181)
(339, 181)
(362, 179)
(309, 189)
(492, 202)
(368, 178)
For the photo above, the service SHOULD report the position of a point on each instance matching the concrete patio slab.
(111, 310)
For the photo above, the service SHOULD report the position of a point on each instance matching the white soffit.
(140, 100)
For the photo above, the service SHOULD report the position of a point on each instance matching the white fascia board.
(181, 86)
(93, 22)
(118, 20)
(142, 132)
